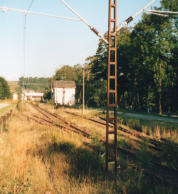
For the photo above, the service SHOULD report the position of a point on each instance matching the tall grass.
(5, 109)
(41, 159)
(155, 129)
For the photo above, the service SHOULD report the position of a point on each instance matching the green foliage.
(23, 186)
(19, 105)
(170, 5)
(147, 66)
(169, 154)
(34, 83)
(47, 94)
(147, 70)
(66, 72)
(83, 162)
(144, 156)
(4, 89)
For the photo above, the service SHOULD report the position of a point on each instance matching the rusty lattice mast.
(111, 144)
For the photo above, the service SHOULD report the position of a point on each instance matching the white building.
(15, 96)
(32, 96)
(64, 92)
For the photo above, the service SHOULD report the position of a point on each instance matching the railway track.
(56, 120)
(125, 130)
(162, 173)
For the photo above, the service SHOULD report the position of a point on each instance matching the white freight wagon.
(64, 92)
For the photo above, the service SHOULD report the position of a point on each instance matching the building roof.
(63, 84)
(34, 94)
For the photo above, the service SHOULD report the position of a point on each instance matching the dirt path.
(149, 117)
(3, 105)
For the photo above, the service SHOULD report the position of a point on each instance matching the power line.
(131, 18)
(162, 12)
(5, 9)
(25, 34)
(155, 13)
(30, 5)
(84, 21)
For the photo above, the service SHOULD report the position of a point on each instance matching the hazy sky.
(50, 42)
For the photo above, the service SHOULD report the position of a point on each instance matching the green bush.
(4, 89)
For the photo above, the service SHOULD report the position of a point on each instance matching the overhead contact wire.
(162, 12)
(84, 21)
(131, 18)
(5, 9)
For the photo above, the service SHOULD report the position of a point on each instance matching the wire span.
(5, 9)
(155, 13)
(162, 12)
(131, 18)
(30, 5)
(84, 21)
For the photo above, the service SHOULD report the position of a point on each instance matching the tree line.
(147, 66)
(37, 84)
(4, 89)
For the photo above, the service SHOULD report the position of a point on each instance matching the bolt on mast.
(111, 144)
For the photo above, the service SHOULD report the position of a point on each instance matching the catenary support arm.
(84, 21)
(131, 18)
(5, 9)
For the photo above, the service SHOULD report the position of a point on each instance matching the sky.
(51, 43)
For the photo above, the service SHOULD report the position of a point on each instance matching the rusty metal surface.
(49, 118)
(112, 86)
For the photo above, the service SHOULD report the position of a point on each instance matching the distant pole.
(83, 89)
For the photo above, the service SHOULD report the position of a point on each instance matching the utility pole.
(83, 111)
(111, 148)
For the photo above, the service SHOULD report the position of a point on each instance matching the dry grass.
(19, 169)
(4, 110)
(28, 166)
(160, 132)
(96, 130)
(42, 159)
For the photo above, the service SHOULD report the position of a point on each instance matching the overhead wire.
(78, 19)
(30, 5)
(84, 21)
(155, 13)
(5, 9)
(162, 12)
(81, 19)
(131, 18)
(25, 29)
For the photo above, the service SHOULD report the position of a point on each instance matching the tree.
(4, 89)
(97, 79)
(147, 66)
(156, 36)
(38, 84)
(66, 72)
(147, 63)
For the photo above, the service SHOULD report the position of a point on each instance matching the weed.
(169, 154)
(122, 144)
(37, 159)
(5, 129)
(161, 190)
(22, 186)
(19, 106)
(83, 162)
(144, 156)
